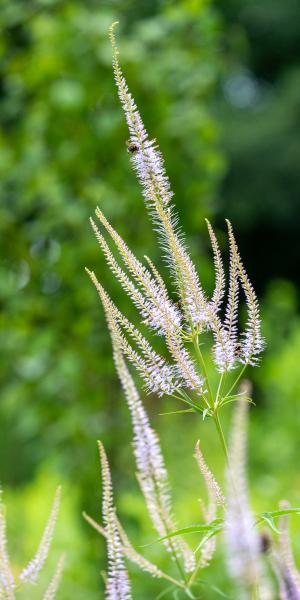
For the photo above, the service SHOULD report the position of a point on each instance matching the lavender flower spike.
(215, 498)
(283, 561)
(242, 540)
(213, 489)
(118, 585)
(219, 290)
(158, 374)
(152, 473)
(157, 303)
(52, 588)
(31, 572)
(253, 342)
(149, 166)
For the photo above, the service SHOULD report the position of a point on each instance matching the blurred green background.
(218, 84)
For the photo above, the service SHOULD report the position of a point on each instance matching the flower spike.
(283, 561)
(154, 304)
(213, 488)
(215, 498)
(31, 572)
(253, 342)
(50, 593)
(151, 470)
(149, 166)
(219, 290)
(158, 374)
(118, 585)
(242, 539)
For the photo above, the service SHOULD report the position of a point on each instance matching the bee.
(265, 542)
(238, 350)
(132, 147)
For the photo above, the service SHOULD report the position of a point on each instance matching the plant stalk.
(221, 435)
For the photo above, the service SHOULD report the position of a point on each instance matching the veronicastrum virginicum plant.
(182, 373)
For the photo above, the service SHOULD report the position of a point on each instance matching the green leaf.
(210, 528)
(176, 412)
(207, 537)
(270, 522)
(236, 398)
(187, 400)
(164, 592)
(268, 517)
(202, 582)
(280, 512)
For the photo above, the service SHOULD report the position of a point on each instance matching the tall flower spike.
(219, 290)
(118, 585)
(152, 473)
(33, 569)
(213, 488)
(149, 166)
(159, 376)
(7, 582)
(136, 296)
(224, 347)
(154, 289)
(185, 365)
(231, 314)
(50, 593)
(155, 306)
(157, 275)
(243, 546)
(253, 342)
(225, 343)
(283, 562)
(215, 497)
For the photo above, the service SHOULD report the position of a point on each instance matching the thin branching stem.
(241, 373)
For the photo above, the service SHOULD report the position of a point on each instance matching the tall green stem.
(202, 362)
(219, 389)
(221, 435)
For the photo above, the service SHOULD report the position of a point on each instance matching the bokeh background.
(218, 84)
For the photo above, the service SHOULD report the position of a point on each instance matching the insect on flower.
(238, 350)
(132, 147)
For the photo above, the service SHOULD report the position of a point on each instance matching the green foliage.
(258, 103)
(62, 151)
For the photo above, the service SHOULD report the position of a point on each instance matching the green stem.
(236, 380)
(202, 362)
(219, 390)
(221, 434)
(195, 573)
(255, 593)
